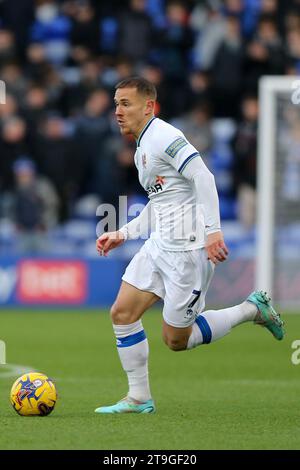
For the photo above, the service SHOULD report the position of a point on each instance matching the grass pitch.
(241, 392)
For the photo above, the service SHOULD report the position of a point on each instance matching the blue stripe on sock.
(204, 328)
(131, 339)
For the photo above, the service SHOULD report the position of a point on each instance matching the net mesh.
(286, 272)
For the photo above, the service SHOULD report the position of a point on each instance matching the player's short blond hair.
(143, 86)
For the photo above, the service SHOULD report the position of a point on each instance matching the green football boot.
(128, 405)
(266, 315)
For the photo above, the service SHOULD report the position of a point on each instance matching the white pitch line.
(14, 370)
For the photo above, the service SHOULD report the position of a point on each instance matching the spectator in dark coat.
(34, 206)
(245, 158)
(92, 130)
(264, 54)
(227, 71)
(57, 159)
(136, 35)
(85, 28)
(13, 143)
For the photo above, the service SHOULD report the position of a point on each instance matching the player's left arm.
(206, 194)
(187, 161)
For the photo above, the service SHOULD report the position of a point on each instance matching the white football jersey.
(163, 154)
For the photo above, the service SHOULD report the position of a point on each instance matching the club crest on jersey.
(157, 187)
(189, 314)
(144, 160)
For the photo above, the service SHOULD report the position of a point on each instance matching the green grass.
(242, 392)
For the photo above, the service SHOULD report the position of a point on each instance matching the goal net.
(278, 211)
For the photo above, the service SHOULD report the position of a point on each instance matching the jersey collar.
(144, 130)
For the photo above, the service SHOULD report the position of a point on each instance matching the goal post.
(277, 214)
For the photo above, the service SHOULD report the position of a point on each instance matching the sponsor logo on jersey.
(160, 180)
(175, 146)
(154, 189)
(157, 187)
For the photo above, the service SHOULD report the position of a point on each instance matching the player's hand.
(216, 249)
(108, 241)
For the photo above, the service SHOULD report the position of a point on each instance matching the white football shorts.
(181, 278)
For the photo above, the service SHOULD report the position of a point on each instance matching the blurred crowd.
(60, 61)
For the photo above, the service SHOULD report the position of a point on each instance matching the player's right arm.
(134, 229)
(108, 241)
